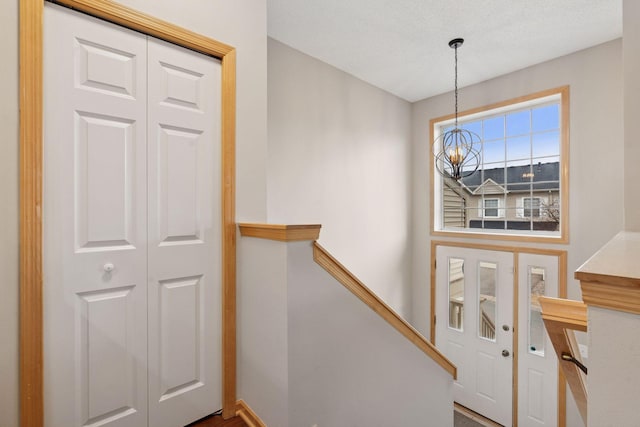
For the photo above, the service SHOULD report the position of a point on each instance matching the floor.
(217, 421)
(462, 417)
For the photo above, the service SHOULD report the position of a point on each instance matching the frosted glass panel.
(456, 293)
(488, 280)
(536, 327)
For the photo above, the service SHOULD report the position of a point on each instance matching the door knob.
(505, 353)
(108, 267)
(505, 328)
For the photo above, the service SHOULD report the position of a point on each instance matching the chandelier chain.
(456, 85)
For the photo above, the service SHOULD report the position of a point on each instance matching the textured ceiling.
(402, 47)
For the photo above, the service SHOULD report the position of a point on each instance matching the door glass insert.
(456, 293)
(536, 327)
(487, 282)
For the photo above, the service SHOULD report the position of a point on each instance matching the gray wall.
(9, 214)
(351, 368)
(339, 155)
(242, 24)
(596, 202)
(631, 60)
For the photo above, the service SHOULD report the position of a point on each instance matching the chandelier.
(456, 150)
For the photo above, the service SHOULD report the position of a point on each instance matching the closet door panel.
(94, 217)
(184, 235)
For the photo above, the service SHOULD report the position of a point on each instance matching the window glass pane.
(495, 173)
(456, 293)
(519, 148)
(518, 123)
(493, 152)
(493, 128)
(536, 326)
(545, 118)
(487, 272)
(546, 144)
(453, 208)
(550, 212)
(475, 127)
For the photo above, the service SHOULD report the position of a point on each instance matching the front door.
(474, 326)
(537, 361)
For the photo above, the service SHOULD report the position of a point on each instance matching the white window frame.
(558, 95)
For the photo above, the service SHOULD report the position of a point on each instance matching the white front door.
(537, 361)
(131, 227)
(474, 326)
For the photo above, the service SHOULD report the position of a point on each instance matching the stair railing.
(562, 318)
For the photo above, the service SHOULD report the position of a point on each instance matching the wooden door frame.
(31, 145)
(562, 293)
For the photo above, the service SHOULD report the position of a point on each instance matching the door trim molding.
(562, 293)
(31, 115)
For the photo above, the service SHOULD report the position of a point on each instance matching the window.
(456, 293)
(531, 207)
(536, 277)
(520, 185)
(487, 283)
(490, 208)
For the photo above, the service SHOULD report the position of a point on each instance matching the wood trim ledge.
(281, 233)
(351, 282)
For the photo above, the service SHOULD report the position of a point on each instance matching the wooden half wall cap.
(281, 232)
(611, 277)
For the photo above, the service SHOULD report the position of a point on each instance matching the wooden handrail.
(344, 276)
(561, 318)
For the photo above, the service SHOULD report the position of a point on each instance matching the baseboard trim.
(248, 416)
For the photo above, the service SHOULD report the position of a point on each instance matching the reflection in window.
(536, 326)
(456, 293)
(487, 281)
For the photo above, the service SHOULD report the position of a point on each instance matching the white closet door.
(94, 222)
(184, 235)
